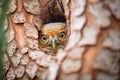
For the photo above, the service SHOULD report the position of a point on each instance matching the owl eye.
(62, 35)
(44, 38)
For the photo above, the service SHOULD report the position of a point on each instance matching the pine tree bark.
(93, 49)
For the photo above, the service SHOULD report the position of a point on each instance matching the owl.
(53, 36)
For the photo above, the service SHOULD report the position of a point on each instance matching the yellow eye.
(62, 35)
(44, 38)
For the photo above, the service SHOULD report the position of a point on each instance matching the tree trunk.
(92, 51)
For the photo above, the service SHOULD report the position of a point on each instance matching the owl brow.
(44, 34)
(64, 31)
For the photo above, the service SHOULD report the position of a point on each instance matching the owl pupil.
(61, 35)
(44, 37)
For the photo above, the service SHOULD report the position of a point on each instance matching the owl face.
(53, 37)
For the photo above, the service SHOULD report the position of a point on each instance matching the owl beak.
(53, 44)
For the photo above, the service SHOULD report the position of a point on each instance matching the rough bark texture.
(93, 49)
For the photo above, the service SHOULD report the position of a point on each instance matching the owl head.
(53, 37)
